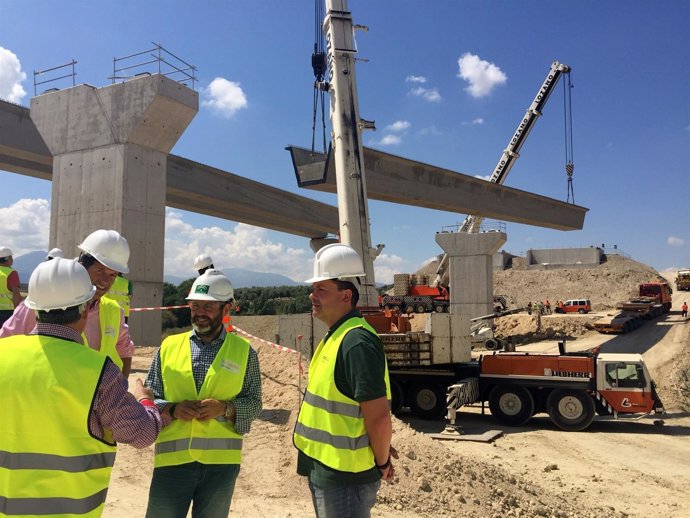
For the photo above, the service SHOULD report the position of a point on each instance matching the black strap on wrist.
(171, 410)
(385, 465)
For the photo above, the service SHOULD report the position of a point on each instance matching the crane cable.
(320, 66)
(568, 117)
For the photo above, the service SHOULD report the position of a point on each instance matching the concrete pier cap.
(470, 264)
(110, 148)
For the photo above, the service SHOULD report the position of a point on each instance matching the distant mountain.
(240, 277)
(27, 263)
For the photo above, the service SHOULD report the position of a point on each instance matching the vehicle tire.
(581, 311)
(446, 309)
(438, 308)
(388, 307)
(397, 397)
(428, 400)
(570, 410)
(491, 344)
(409, 308)
(511, 405)
(421, 308)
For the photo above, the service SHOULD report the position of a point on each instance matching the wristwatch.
(230, 411)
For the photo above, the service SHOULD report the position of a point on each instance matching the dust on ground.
(615, 469)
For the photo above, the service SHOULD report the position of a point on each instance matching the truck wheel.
(570, 410)
(388, 307)
(428, 401)
(490, 344)
(581, 311)
(409, 308)
(421, 308)
(446, 309)
(511, 405)
(397, 397)
(438, 308)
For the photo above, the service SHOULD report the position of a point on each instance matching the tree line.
(271, 300)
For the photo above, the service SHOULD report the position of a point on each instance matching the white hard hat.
(5, 252)
(202, 261)
(109, 248)
(59, 284)
(55, 252)
(337, 261)
(212, 285)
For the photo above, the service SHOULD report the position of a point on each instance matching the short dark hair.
(86, 260)
(347, 285)
(60, 316)
(203, 270)
(5, 259)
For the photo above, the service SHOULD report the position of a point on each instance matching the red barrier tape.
(279, 347)
(159, 308)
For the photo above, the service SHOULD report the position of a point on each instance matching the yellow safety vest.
(330, 427)
(6, 300)
(50, 464)
(214, 441)
(119, 292)
(109, 319)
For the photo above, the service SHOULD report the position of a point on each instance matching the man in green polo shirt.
(343, 431)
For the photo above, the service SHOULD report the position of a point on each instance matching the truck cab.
(624, 385)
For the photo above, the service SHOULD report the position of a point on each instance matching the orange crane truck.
(571, 387)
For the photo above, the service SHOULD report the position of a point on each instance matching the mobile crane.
(424, 365)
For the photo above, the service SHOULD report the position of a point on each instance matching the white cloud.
(398, 126)
(675, 241)
(225, 97)
(431, 130)
(245, 246)
(478, 120)
(385, 266)
(481, 75)
(25, 225)
(487, 177)
(428, 94)
(11, 76)
(390, 140)
(415, 79)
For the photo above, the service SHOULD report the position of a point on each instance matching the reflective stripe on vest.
(214, 441)
(109, 320)
(330, 427)
(6, 300)
(119, 292)
(50, 465)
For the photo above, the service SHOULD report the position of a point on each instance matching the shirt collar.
(351, 314)
(221, 337)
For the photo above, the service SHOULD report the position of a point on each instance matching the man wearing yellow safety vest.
(208, 387)
(64, 405)
(9, 285)
(104, 254)
(343, 431)
(121, 292)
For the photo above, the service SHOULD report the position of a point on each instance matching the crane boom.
(510, 154)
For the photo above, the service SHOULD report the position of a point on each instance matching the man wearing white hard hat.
(10, 297)
(55, 252)
(203, 262)
(66, 405)
(343, 430)
(207, 385)
(104, 254)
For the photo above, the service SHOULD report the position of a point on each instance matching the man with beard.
(207, 386)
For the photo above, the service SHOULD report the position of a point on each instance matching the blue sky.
(631, 112)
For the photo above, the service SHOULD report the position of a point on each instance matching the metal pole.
(347, 143)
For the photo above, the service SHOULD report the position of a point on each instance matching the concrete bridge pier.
(470, 264)
(110, 148)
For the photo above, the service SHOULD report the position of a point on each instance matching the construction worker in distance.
(684, 310)
(344, 429)
(55, 252)
(10, 297)
(104, 254)
(121, 292)
(207, 385)
(202, 263)
(66, 405)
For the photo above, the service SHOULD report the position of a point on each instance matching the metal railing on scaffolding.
(486, 226)
(164, 62)
(37, 73)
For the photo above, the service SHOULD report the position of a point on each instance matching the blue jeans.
(344, 501)
(208, 486)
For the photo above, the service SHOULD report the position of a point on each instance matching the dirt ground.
(619, 468)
